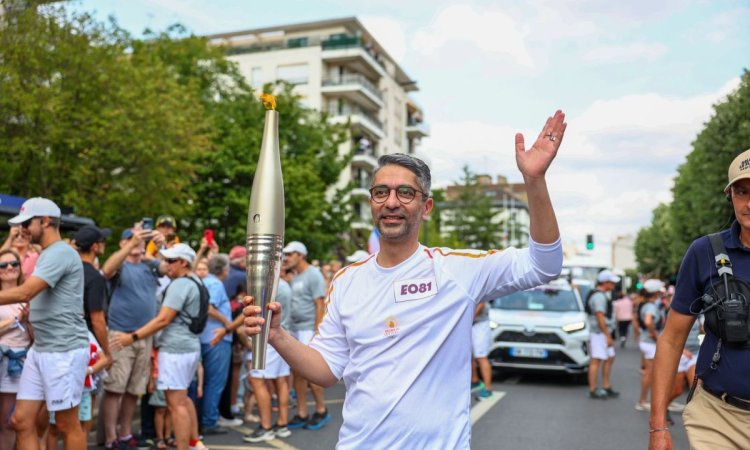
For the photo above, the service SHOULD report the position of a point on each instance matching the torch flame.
(269, 101)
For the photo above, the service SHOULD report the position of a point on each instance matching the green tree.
(88, 124)
(699, 207)
(655, 248)
(310, 150)
(472, 219)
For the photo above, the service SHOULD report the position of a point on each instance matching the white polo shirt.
(400, 338)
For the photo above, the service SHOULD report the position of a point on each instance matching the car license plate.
(528, 352)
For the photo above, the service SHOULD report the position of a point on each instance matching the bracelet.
(657, 430)
(134, 335)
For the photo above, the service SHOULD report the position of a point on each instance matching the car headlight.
(493, 324)
(575, 326)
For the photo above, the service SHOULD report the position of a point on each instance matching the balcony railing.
(352, 110)
(354, 79)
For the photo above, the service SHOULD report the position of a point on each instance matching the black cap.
(89, 235)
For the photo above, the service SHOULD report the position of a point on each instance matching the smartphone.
(147, 223)
(208, 234)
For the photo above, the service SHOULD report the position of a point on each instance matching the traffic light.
(589, 242)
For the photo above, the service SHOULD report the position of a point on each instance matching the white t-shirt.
(400, 338)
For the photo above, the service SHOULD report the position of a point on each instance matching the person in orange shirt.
(167, 226)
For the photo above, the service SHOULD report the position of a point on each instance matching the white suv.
(541, 329)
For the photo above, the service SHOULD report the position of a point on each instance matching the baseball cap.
(127, 233)
(359, 255)
(607, 276)
(35, 207)
(181, 251)
(739, 168)
(166, 220)
(653, 285)
(237, 252)
(89, 235)
(295, 246)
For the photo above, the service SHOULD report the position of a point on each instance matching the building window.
(256, 77)
(293, 73)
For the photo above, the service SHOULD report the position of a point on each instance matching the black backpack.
(657, 325)
(196, 324)
(587, 305)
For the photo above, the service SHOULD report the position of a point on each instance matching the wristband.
(657, 430)
(134, 335)
(90, 370)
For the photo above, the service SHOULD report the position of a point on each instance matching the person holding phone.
(166, 225)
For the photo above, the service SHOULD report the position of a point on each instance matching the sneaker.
(282, 431)
(226, 423)
(318, 420)
(484, 394)
(297, 422)
(236, 410)
(675, 407)
(252, 418)
(199, 446)
(477, 387)
(131, 443)
(214, 431)
(643, 406)
(598, 393)
(611, 393)
(260, 435)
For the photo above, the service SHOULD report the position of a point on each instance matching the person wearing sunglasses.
(15, 340)
(56, 364)
(21, 244)
(397, 326)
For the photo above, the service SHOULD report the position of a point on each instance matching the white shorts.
(598, 347)
(276, 367)
(648, 349)
(56, 377)
(304, 336)
(177, 370)
(8, 384)
(686, 363)
(481, 339)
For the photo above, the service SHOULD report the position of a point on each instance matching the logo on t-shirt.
(416, 289)
(391, 327)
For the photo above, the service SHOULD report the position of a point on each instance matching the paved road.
(526, 412)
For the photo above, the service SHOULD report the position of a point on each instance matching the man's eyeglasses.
(171, 260)
(27, 223)
(13, 264)
(404, 193)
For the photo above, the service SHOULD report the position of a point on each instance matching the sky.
(637, 80)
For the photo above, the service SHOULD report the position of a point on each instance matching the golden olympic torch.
(265, 228)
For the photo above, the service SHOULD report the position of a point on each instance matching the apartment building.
(508, 203)
(338, 67)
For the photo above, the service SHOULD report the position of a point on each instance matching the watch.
(134, 335)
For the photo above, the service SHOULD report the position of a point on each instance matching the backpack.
(587, 304)
(657, 325)
(196, 324)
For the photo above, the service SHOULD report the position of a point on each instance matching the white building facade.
(337, 67)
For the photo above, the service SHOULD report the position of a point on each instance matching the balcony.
(416, 129)
(350, 51)
(356, 88)
(359, 118)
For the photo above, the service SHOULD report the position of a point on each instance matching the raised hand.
(535, 161)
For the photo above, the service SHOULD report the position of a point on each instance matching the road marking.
(282, 445)
(236, 447)
(483, 406)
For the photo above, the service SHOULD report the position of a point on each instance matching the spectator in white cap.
(56, 364)
(651, 320)
(601, 343)
(179, 346)
(359, 255)
(308, 294)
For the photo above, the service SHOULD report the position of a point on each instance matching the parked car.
(540, 329)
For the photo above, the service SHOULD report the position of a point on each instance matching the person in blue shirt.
(718, 416)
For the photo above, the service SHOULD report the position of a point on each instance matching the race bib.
(416, 289)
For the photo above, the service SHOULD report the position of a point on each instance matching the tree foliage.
(122, 128)
(699, 207)
(473, 221)
(655, 248)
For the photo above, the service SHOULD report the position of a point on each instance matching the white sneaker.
(260, 435)
(222, 422)
(643, 406)
(676, 407)
(199, 446)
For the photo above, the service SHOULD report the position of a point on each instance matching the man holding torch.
(397, 327)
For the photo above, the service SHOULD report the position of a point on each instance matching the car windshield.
(546, 299)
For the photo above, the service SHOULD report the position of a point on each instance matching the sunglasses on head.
(13, 264)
